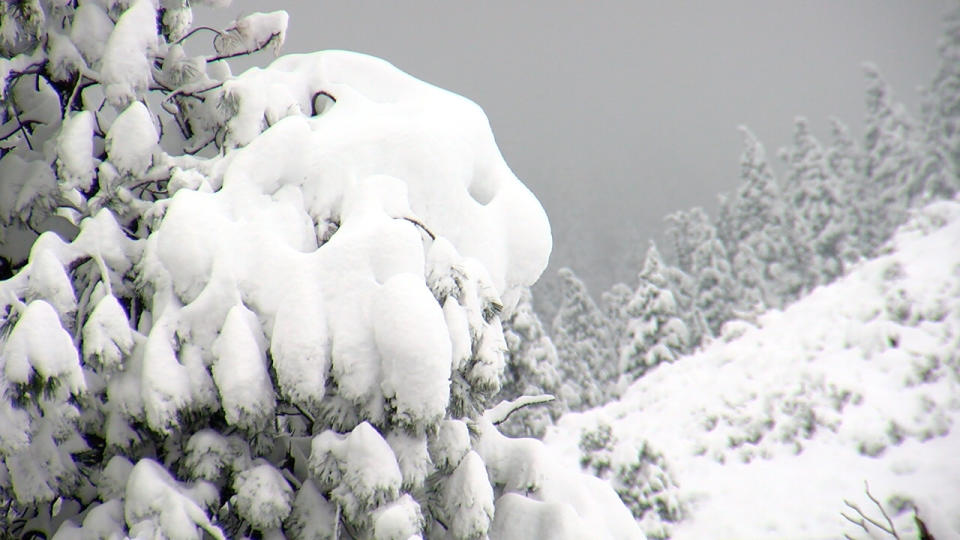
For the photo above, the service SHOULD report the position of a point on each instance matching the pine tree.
(845, 163)
(249, 334)
(938, 167)
(714, 296)
(890, 148)
(943, 113)
(719, 298)
(532, 368)
(817, 199)
(615, 303)
(583, 344)
(655, 332)
(761, 221)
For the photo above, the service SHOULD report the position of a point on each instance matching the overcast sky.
(616, 113)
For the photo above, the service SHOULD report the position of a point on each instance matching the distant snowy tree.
(716, 296)
(761, 221)
(938, 167)
(817, 197)
(935, 170)
(655, 332)
(615, 303)
(270, 320)
(890, 185)
(845, 163)
(532, 368)
(719, 296)
(584, 345)
(687, 230)
(943, 114)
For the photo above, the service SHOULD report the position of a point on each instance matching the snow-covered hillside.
(769, 430)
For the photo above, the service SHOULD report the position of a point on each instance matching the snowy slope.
(771, 428)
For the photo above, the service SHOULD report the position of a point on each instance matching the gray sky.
(616, 113)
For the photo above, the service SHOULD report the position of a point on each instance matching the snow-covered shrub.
(268, 315)
(642, 479)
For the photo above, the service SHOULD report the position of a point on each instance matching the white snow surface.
(769, 430)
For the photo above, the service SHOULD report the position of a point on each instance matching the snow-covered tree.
(817, 197)
(655, 331)
(845, 163)
(583, 343)
(279, 314)
(716, 296)
(761, 221)
(943, 114)
(719, 296)
(890, 186)
(532, 368)
(615, 302)
(938, 166)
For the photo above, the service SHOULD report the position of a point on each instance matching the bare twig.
(183, 91)
(195, 30)
(858, 522)
(893, 530)
(15, 128)
(864, 519)
(200, 146)
(417, 222)
(26, 136)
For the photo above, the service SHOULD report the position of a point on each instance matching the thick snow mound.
(857, 382)
(387, 122)
(345, 213)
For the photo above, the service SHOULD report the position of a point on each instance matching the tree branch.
(22, 130)
(194, 31)
(502, 411)
(893, 530)
(417, 222)
(262, 46)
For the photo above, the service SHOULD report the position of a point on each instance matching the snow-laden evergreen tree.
(934, 168)
(716, 295)
(817, 198)
(615, 302)
(655, 331)
(686, 230)
(845, 163)
(943, 113)
(278, 311)
(719, 296)
(761, 221)
(890, 186)
(583, 341)
(938, 166)
(532, 368)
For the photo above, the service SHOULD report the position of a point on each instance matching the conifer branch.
(502, 411)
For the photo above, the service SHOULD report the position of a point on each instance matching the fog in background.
(615, 113)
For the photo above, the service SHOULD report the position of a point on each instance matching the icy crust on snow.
(859, 381)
